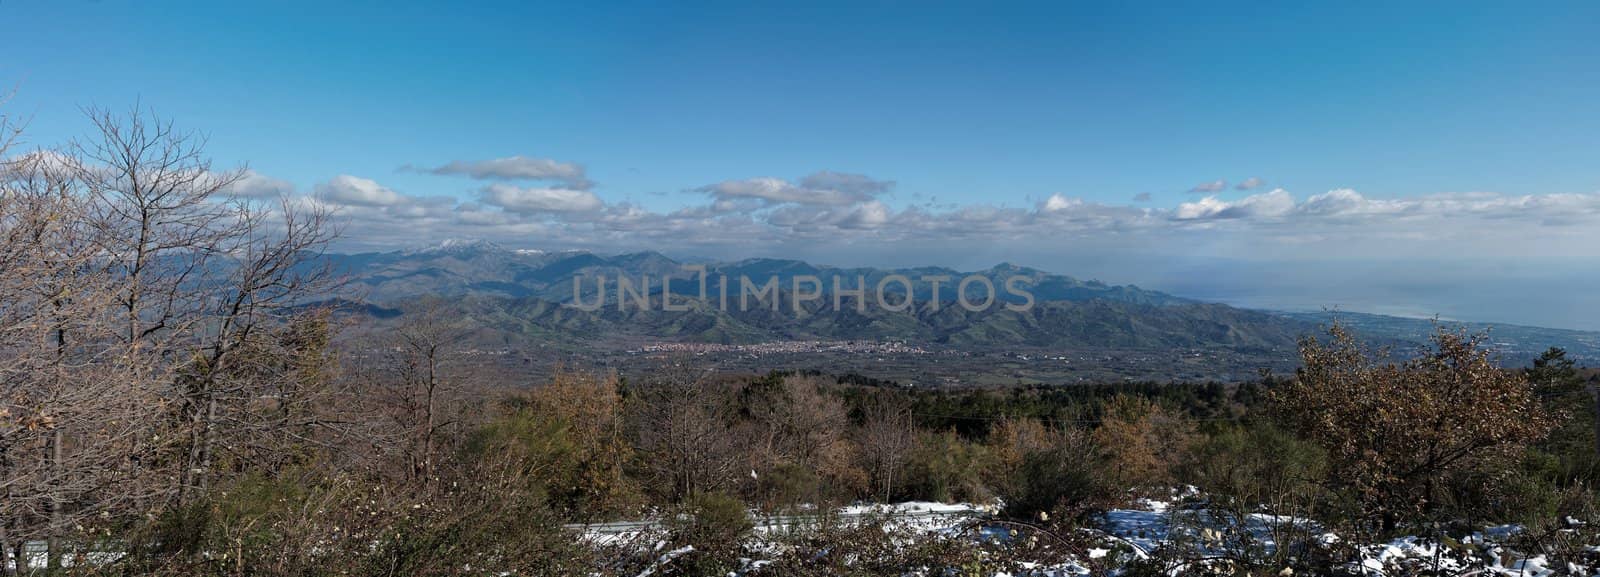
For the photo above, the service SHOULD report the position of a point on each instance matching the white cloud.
(517, 168)
(775, 216)
(727, 205)
(253, 184)
(1209, 187)
(779, 191)
(1269, 204)
(356, 191)
(42, 161)
(1057, 202)
(869, 215)
(845, 182)
(540, 200)
(1346, 202)
(823, 188)
(1251, 183)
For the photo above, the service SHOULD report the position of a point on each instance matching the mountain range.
(528, 296)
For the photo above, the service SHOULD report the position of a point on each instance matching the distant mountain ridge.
(521, 295)
(457, 268)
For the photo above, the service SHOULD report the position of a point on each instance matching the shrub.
(787, 486)
(716, 525)
(568, 435)
(1142, 443)
(1256, 464)
(1038, 469)
(317, 525)
(882, 547)
(944, 467)
(1396, 432)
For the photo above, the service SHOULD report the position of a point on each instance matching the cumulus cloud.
(356, 191)
(517, 168)
(43, 161)
(819, 189)
(727, 205)
(540, 200)
(1251, 183)
(253, 184)
(829, 209)
(846, 182)
(872, 214)
(1209, 187)
(1348, 206)
(1345, 202)
(1058, 202)
(1269, 204)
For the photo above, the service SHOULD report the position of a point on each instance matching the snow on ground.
(1157, 523)
(917, 507)
(1481, 553)
(1152, 524)
(1143, 528)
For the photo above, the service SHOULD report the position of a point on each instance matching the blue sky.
(1072, 136)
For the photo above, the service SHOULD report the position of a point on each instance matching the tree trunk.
(1595, 391)
(427, 434)
(53, 543)
(208, 440)
(190, 475)
(5, 549)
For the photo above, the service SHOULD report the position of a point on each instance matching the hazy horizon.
(1528, 293)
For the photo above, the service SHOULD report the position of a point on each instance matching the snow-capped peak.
(458, 245)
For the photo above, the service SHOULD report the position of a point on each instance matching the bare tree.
(129, 283)
(264, 285)
(199, 274)
(73, 430)
(795, 423)
(422, 383)
(681, 425)
(887, 436)
(163, 216)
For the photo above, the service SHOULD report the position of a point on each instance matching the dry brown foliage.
(1394, 430)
